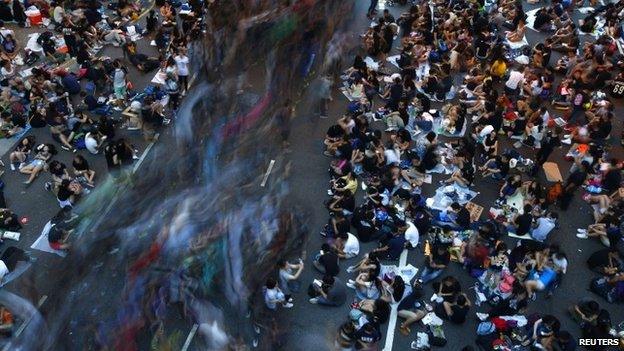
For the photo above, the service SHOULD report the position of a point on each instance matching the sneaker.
(313, 300)
(323, 233)
(330, 193)
(65, 148)
(21, 165)
(48, 186)
(255, 342)
(351, 285)
(117, 108)
(12, 166)
(414, 345)
(256, 328)
(288, 305)
(482, 316)
(133, 128)
(350, 269)
(582, 235)
(581, 230)
(290, 299)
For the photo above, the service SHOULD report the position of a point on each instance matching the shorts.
(540, 285)
(64, 203)
(120, 92)
(37, 163)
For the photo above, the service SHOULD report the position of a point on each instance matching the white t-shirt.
(3, 270)
(6, 32)
(411, 234)
(182, 63)
(91, 144)
(514, 80)
(58, 14)
(392, 156)
(119, 79)
(561, 264)
(270, 295)
(352, 246)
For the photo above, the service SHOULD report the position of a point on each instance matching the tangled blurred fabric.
(191, 236)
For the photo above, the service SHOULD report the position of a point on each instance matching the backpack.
(436, 335)
(554, 193)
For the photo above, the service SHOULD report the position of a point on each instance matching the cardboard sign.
(475, 211)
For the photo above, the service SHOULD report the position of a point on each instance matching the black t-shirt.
(55, 235)
(64, 193)
(617, 90)
(524, 222)
(369, 336)
(463, 218)
(459, 314)
(396, 91)
(335, 131)
(598, 259)
(542, 17)
(503, 167)
(395, 247)
(577, 177)
(429, 160)
(343, 226)
(468, 172)
(80, 166)
(60, 171)
(612, 180)
(482, 47)
(442, 259)
(330, 261)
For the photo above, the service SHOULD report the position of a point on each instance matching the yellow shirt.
(499, 67)
(351, 184)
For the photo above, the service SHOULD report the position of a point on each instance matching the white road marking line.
(394, 313)
(266, 175)
(192, 80)
(190, 337)
(145, 152)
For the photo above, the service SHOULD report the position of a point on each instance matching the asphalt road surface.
(313, 327)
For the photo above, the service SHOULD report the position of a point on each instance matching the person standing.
(282, 118)
(119, 84)
(274, 296)
(372, 8)
(289, 274)
(325, 95)
(182, 62)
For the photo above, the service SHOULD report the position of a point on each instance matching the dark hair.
(461, 299)
(281, 263)
(325, 247)
(328, 279)
(431, 136)
(593, 306)
(271, 283)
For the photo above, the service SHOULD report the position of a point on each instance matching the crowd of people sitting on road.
(465, 96)
(55, 76)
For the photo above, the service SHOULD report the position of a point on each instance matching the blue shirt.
(544, 227)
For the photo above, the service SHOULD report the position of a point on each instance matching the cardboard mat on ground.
(552, 172)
